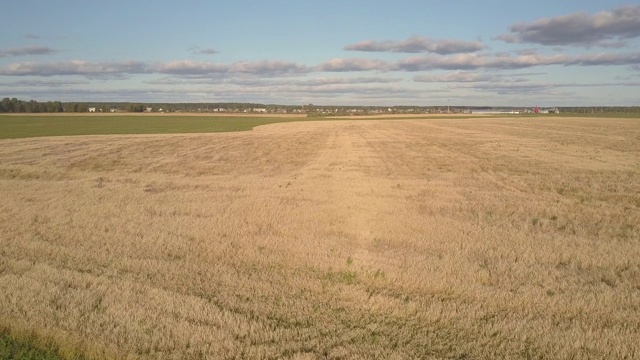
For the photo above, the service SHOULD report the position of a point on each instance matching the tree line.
(15, 105)
(19, 106)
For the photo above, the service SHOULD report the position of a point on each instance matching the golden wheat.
(453, 238)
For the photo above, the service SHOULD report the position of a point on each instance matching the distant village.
(336, 111)
(20, 106)
(320, 110)
(313, 110)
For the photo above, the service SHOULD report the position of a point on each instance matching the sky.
(359, 52)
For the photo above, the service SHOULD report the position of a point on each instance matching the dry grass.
(462, 239)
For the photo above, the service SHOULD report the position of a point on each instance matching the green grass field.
(21, 126)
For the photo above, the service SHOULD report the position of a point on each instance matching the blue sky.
(402, 52)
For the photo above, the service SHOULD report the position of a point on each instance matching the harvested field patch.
(444, 238)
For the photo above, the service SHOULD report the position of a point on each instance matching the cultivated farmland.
(439, 238)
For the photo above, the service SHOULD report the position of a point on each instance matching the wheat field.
(372, 239)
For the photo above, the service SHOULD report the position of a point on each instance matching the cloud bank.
(269, 68)
(74, 67)
(181, 67)
(606, 28)
(25, 51)
(417, 44)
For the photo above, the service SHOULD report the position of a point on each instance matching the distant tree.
(17, 105)
(33, 107)
(54, 106)
(6, 105)
(135, 108)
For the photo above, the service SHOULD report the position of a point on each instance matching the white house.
(92, 109)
